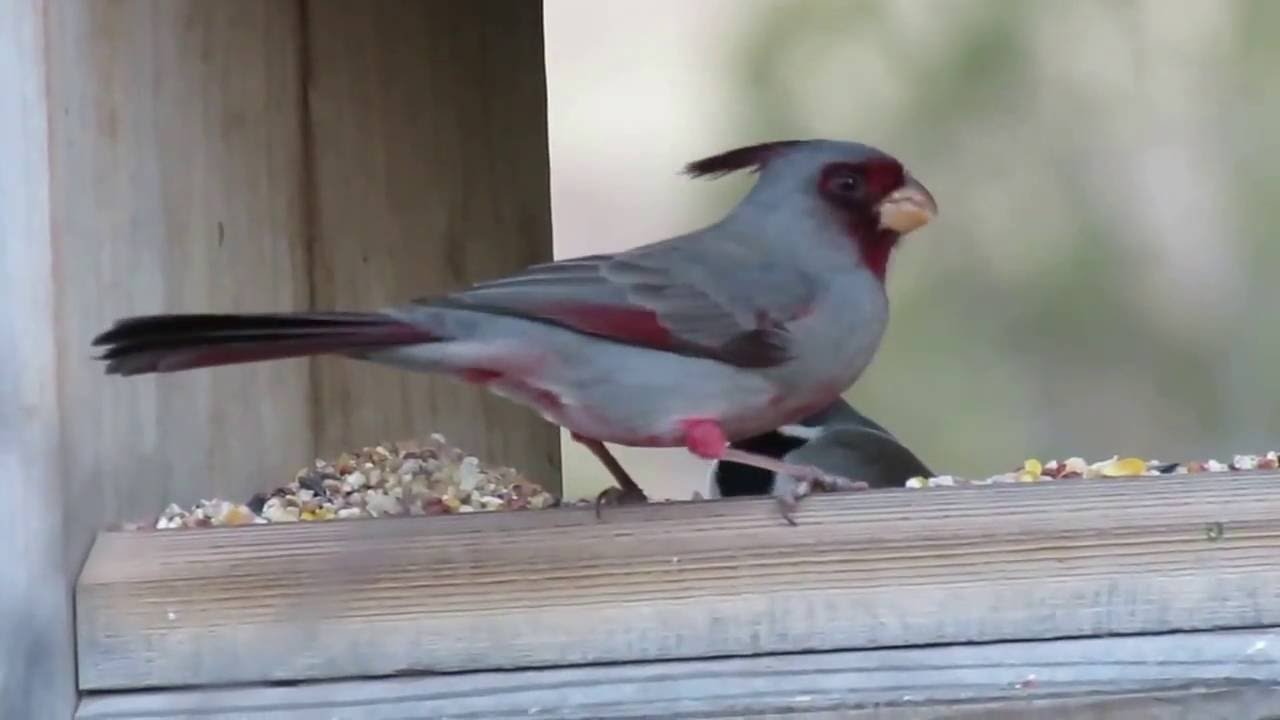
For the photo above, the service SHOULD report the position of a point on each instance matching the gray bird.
(838, 440)
(694, 341)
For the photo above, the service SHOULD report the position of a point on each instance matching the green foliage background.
(1029, 321)
(1103, 277)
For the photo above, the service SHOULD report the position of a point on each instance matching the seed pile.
(408, 478)
(1077, 468)
(434, 478)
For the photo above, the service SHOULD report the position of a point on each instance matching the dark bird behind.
(839, 440)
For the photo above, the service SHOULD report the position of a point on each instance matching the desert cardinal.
(755, 321)
(838, 440)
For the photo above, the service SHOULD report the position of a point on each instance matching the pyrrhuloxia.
(753, 322)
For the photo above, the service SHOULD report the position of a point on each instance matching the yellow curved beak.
(908, 208)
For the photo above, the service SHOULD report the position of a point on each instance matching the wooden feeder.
(188, 155)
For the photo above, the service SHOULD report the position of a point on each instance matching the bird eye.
(848, 185)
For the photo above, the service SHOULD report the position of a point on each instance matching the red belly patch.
(704, 438)
(540, 399)
(480, 376)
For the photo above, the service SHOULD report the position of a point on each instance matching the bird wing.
(678, 296)
(838, 414)
(861, 454)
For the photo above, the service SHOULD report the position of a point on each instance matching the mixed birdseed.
(408, 478)
(434, 478)
(1116, 467)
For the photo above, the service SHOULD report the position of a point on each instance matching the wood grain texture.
(1180, 675)
(1251, 703)
(37, 654)
(176, 153)
(679, 581)
(429, 143)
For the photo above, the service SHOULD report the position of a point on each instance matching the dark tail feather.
(169, 343)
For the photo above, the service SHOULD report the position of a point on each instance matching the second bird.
(838, 440)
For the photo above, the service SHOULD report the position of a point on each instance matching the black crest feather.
(751, 157)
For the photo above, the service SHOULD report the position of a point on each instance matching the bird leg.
(706, 439)
(790, 488)
(627, 492)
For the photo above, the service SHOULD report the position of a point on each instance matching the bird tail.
(169, 343)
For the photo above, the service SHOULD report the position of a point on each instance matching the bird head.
(869, 193)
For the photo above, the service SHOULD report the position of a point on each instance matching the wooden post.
(248, 155)
(185, 156)
(176, 148)
(430, 170)
(37, 656)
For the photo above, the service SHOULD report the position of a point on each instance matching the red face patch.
(857, 187)
(853, 189)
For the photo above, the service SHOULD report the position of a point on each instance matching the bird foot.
(619, 496)
(792, 487)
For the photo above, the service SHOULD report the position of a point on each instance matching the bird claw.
(790, 489)
(618, 496)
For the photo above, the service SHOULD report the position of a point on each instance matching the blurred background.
(1102, 278)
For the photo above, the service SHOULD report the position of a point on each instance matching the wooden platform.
(713, 607)
(1228, 675)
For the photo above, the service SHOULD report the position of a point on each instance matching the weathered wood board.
(428, 136)
(37, 654)
(241, 155)
(1228, 675)
(680, 581)
(176, 155)
(244, 155)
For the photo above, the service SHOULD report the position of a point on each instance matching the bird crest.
(751, 157)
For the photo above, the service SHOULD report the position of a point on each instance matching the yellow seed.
(308, 515)
(326, 513)
(1033, 467)
(238, 515)
(1124, 467)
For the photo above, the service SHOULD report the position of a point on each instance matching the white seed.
(1245, 462)
(469, 474)
(379, 503)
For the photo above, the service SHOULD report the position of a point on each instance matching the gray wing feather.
(728, 305)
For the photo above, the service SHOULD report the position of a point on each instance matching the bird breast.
(832, 345)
